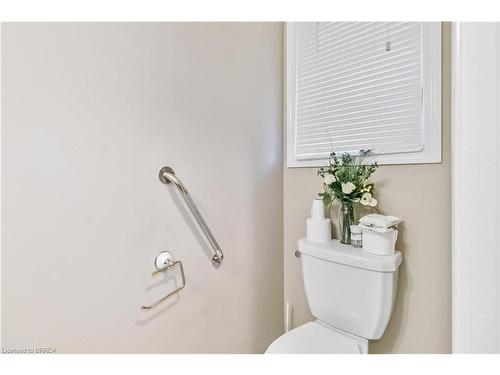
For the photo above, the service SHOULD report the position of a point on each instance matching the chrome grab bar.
(168, 266)
(166, 176)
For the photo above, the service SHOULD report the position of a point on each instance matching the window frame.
(431, 119)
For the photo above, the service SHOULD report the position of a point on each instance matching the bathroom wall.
(476, 157)
(91, 112)
(420, 194)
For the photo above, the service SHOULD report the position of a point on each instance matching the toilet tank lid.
(336, 252)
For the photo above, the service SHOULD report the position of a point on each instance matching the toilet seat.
(317, 338)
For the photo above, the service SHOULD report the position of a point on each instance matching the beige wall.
(91, 112)
(420, 194)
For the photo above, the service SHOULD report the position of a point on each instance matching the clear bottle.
(356, 236)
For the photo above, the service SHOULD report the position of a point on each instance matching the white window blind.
(357, 85)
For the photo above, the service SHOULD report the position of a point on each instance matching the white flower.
(372, 202)
(348, 187)
(365, 199)
(329, 179)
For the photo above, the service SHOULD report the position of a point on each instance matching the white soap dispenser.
(319, 229)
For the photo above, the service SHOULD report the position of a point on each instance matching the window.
(363, 85)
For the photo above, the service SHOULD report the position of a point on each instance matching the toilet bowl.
(318, 338)
(351, 294)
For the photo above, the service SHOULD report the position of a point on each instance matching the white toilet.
(350, 292)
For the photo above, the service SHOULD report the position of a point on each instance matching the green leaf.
(327, 200)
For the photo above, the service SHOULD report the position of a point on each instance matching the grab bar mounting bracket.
(162, 174)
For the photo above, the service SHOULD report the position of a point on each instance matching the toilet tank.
(348, 288)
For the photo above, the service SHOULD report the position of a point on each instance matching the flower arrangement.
(345, 180)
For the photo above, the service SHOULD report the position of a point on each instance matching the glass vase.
(346, 219)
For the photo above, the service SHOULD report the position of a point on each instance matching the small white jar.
(356, 236)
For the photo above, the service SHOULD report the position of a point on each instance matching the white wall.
(91, 112)
(476, 187)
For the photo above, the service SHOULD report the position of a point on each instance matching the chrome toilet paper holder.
(164, 262)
